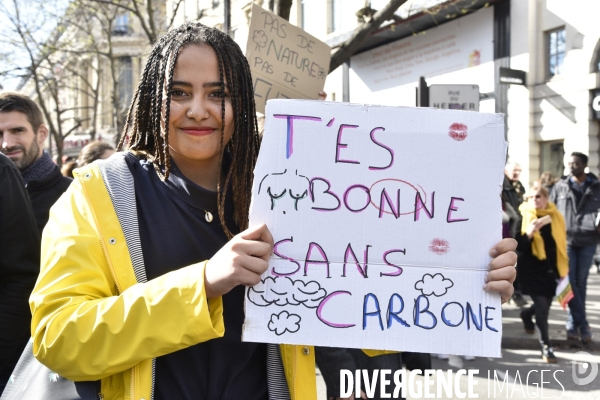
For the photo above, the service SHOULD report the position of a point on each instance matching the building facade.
(557, 44)
(551, 46)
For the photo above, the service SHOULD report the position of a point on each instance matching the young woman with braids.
(125, 296)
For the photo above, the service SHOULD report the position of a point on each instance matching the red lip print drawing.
(458, 131)
(439, 246)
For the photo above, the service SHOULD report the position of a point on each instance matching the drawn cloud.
(436, 285)
(284, 321)
(281, 291)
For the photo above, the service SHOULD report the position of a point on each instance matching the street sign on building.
(512, 76)
(455, 97)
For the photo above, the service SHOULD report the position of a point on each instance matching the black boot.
(527, 323)
(548, 354)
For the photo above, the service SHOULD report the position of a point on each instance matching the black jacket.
(19, 266)
(537, 277)
(512, 196)
(580, 219)
(44, 193)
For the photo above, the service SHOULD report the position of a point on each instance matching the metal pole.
(346, 81)
(227, 24)
(422, 93)
(50, 144)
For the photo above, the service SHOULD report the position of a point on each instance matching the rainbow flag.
(564, 292)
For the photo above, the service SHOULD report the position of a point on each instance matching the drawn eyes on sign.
(298, 187)
(297, 198)
(275, 196)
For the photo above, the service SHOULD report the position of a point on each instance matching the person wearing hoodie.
(577, 197)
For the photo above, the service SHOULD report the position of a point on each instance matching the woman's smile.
(198, 130)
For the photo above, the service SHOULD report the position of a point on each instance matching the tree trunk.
(118, 119)
(96, 100)
(59, 148)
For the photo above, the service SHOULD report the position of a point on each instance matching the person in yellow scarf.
(542, 261)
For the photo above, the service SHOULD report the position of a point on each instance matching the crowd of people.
(136, 286)
(556, 225)
(95, 150)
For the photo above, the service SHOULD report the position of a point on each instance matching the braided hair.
(146, 128)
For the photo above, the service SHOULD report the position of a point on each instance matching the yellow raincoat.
(92, 320)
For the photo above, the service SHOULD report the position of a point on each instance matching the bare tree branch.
(175, 9)
(362, 32)
(147, 22)
(118, 4)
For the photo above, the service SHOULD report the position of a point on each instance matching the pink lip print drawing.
(458, 131)
(439, 246)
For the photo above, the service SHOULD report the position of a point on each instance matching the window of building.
(555, 45)
(125, 69)
(335, 20)
(121, 25)
(552, 155)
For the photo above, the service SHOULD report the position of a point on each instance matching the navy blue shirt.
(174, 233)
(579, 189)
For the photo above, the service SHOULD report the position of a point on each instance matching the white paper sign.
(382, 218)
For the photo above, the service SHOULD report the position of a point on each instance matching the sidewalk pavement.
(515, 337)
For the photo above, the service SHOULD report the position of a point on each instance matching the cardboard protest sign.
(286, 62)
(383, 218)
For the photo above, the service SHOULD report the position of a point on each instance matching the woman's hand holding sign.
(502, 272)
(245, 258)
(240, 262)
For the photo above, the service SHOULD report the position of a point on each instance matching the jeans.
(580, 261)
